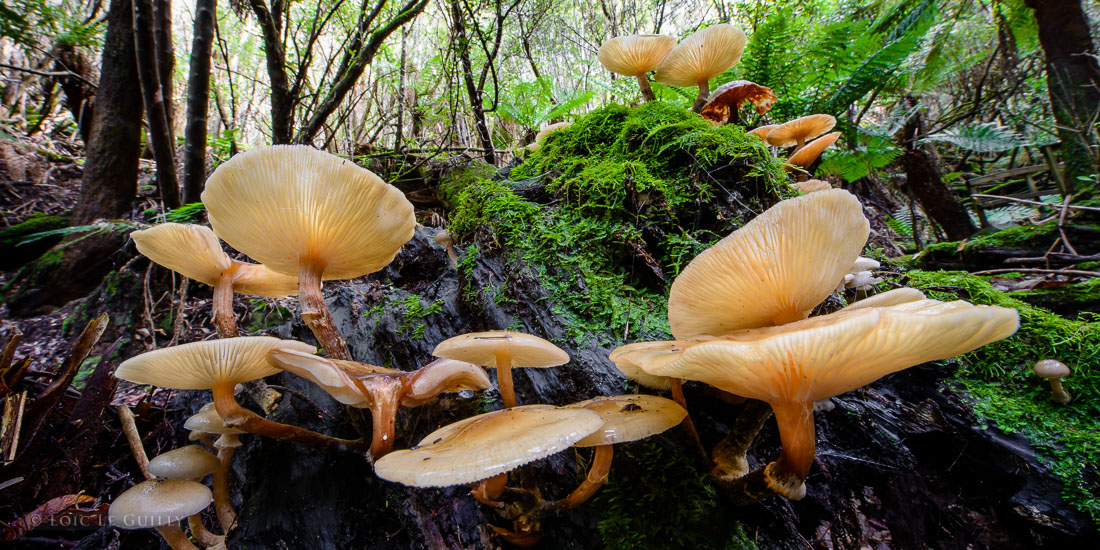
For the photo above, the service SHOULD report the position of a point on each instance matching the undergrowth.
(1003, 388)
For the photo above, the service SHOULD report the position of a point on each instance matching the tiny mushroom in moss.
(160, 504)
(206, 422)
(306, 213)
(1054, 371)
(724, 105)
(503, 350)
(443, 238)
(541, 135)
(700, 57)
(636, 55)
(195, 252)
(191, 463)
(800, 130)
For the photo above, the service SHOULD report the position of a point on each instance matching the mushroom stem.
(205, 439)
(227, 516)
(787, 475)
(383, 411)
(314, 311)
(224, 320)
(597, 476)
(800, 142)
(504, 380)
(1058, 394)
(133, 437)
(204, 536)
(676, 386)
(729, 457)
(238, 417)
(175, 537)
(647, 91)
(701, 99)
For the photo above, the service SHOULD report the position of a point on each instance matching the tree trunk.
(282, 103)
(78, 94)
(1073, 81)
(925, 180)
(166, 59)
(156, 112)
(198, 101)
(473, 91)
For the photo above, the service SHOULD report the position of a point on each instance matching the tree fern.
(988, 137)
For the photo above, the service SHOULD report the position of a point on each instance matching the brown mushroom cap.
(208, 421)
(762, 131)
(630, 418)
(773, 270)
(804, 129)
(443, 376)
(158, 502)
(1050, 368)
(824, 356)
(190, 462)
(203, 365)
(886, 299)
(284, 203)
(806, 156)
(488, 444)
(635, 54)
(483, 348)
(729, 97)
(702, 56)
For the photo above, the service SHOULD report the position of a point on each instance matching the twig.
(1077, 272)
(1070, 258)
(147, 297)
(60, 74)
(1061, 224)
(177, 326)
(133, 437)
(1036, 203)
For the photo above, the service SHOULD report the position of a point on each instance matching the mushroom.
(191, 463)
(444, 239)
(762, 131)
(812, 186)
(541, 135)
(194, 252)
(380, 389)
(889, 298)
(773, 270)
(219, 365)
(502, 350)
(1054, 371)
(798, 131)
(700, 57)
(791, 366)
(206, 422)
(636, 55)
(806, 156)
(306, 213)
(724, 105)
(160, 504)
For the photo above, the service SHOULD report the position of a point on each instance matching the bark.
(198, 101)
(1073, 81)
(922, 174)
(156, 112)
(166, 58)
(473, 92)
(78, 94)
(282, 102)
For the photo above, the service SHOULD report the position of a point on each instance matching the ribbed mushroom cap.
(773, 270)
(1050, 368)
(702, 56)
(157, 503)
(258, 280)
(824, 356)
(190, 462)
(806, 156)
(886, 299)
(762, 131)
(643, 378)
(190, 250)
(630, 418)
(482, 348)
(285, 202)
(337, 377)
(203, 365)
(635, 54)
(208, 421)
(443, 376)
(488, 444)
(731, 95)
(541, 136)
(647, 353)
(812, 186)
(806, 128)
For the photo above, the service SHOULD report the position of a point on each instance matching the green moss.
(10, 237)
(621, 192)
(1022, 237)
(1004, 390)
(413, 325)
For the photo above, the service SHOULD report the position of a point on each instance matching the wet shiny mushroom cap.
(483, 348)
(808, 154)
(630, 418)
(190, 462)
(203, 365)
(157, 503)
(702, 56)
(208, 421)
(800, 129)
(635, 54)
(488, 444)
(1051, 368)
(337, 377)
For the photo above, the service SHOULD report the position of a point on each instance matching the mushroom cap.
(702, 56)
(807, 128)
(806, 156)
(443, 238)
(635, 54)
(157, 503)
(541, 136)
(337, 377)
(864, 264)
(731, 95)
(828, 355)
(885, 299)
(630, 418)
(208, 421)
(258, 280)
(633, 372)
(812, 186)
(862, 279)
(774, 269)
(283, 203)
(488, 444)
(1051, 368)
(483, 348)
(227, 441)
(203, 365)
(190, 250)
(762, 131)
(443, 376)
(190, 462)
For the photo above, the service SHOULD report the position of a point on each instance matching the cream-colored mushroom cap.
(635, 54)
(483, 348)
(488, 444)
(541, 136)
(643, 378)
(702, 56)
(190, 250)
(283, 203)
(157, 503)
(335, 376)
(773, 270)
(889, 298)
(1051, 368)
(444, 376)
(812, 186)
(630, 418)
(208, 421)
(203, 365)
(258, 280)
(864, 264)
(648, 353)
(762, 131)
(824, 356)
(808, 154)
(190, 462)
(805, 128)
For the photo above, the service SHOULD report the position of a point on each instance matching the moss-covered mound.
(607, 211)
(1004, 389)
